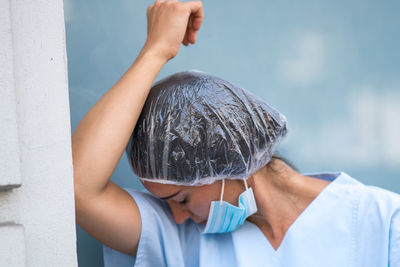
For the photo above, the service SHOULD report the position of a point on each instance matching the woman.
(267, 214)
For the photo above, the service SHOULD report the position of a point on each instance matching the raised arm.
(103, 209)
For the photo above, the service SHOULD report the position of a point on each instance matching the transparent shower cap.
(196, 128)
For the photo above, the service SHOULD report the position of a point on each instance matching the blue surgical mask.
(225, 217)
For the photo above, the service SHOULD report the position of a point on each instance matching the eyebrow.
(171, 196)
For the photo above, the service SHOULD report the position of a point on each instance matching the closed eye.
(183, 202)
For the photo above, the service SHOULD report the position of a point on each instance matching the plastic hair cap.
(196, 128)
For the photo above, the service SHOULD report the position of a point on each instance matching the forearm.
(102, 135)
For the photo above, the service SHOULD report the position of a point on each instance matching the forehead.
(162, 190)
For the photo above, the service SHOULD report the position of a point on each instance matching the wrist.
(153, 54)
(148, 62)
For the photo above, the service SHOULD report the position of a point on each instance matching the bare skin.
(109, 213)
(103, 209)
(280, 196)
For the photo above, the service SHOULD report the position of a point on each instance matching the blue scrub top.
(347, 224)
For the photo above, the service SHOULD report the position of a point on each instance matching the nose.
(179, 213)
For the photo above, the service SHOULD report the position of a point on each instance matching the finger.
(148, 15)
(195, 20)
(196, 11)
(189, 31)
(192, 37)
(149, 8)
(191, 34)
(185, 41)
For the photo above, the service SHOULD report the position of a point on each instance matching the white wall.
(37, 220)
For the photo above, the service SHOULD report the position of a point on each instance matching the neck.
(281, 194)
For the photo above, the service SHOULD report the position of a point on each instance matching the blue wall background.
(333, 68)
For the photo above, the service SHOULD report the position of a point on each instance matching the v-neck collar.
(310, 210)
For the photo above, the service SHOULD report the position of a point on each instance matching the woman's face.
(193, 202)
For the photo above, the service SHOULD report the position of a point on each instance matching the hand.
(170, 23)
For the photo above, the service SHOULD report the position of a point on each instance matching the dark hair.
(194, 126)
(275, 157)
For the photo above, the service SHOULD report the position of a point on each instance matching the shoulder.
(157, 218)
(382, 212)
(379, 201)
(154, 212)
(375, 209)
(385, 206)
(379, 216)
(143, 200)
(162, 241)
(377, 219)
(371, 198)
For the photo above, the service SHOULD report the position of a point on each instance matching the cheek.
(200, 209)
(200, 200)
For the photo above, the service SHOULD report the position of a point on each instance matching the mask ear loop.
(247, 188)
(245, 184)
(222, 191)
